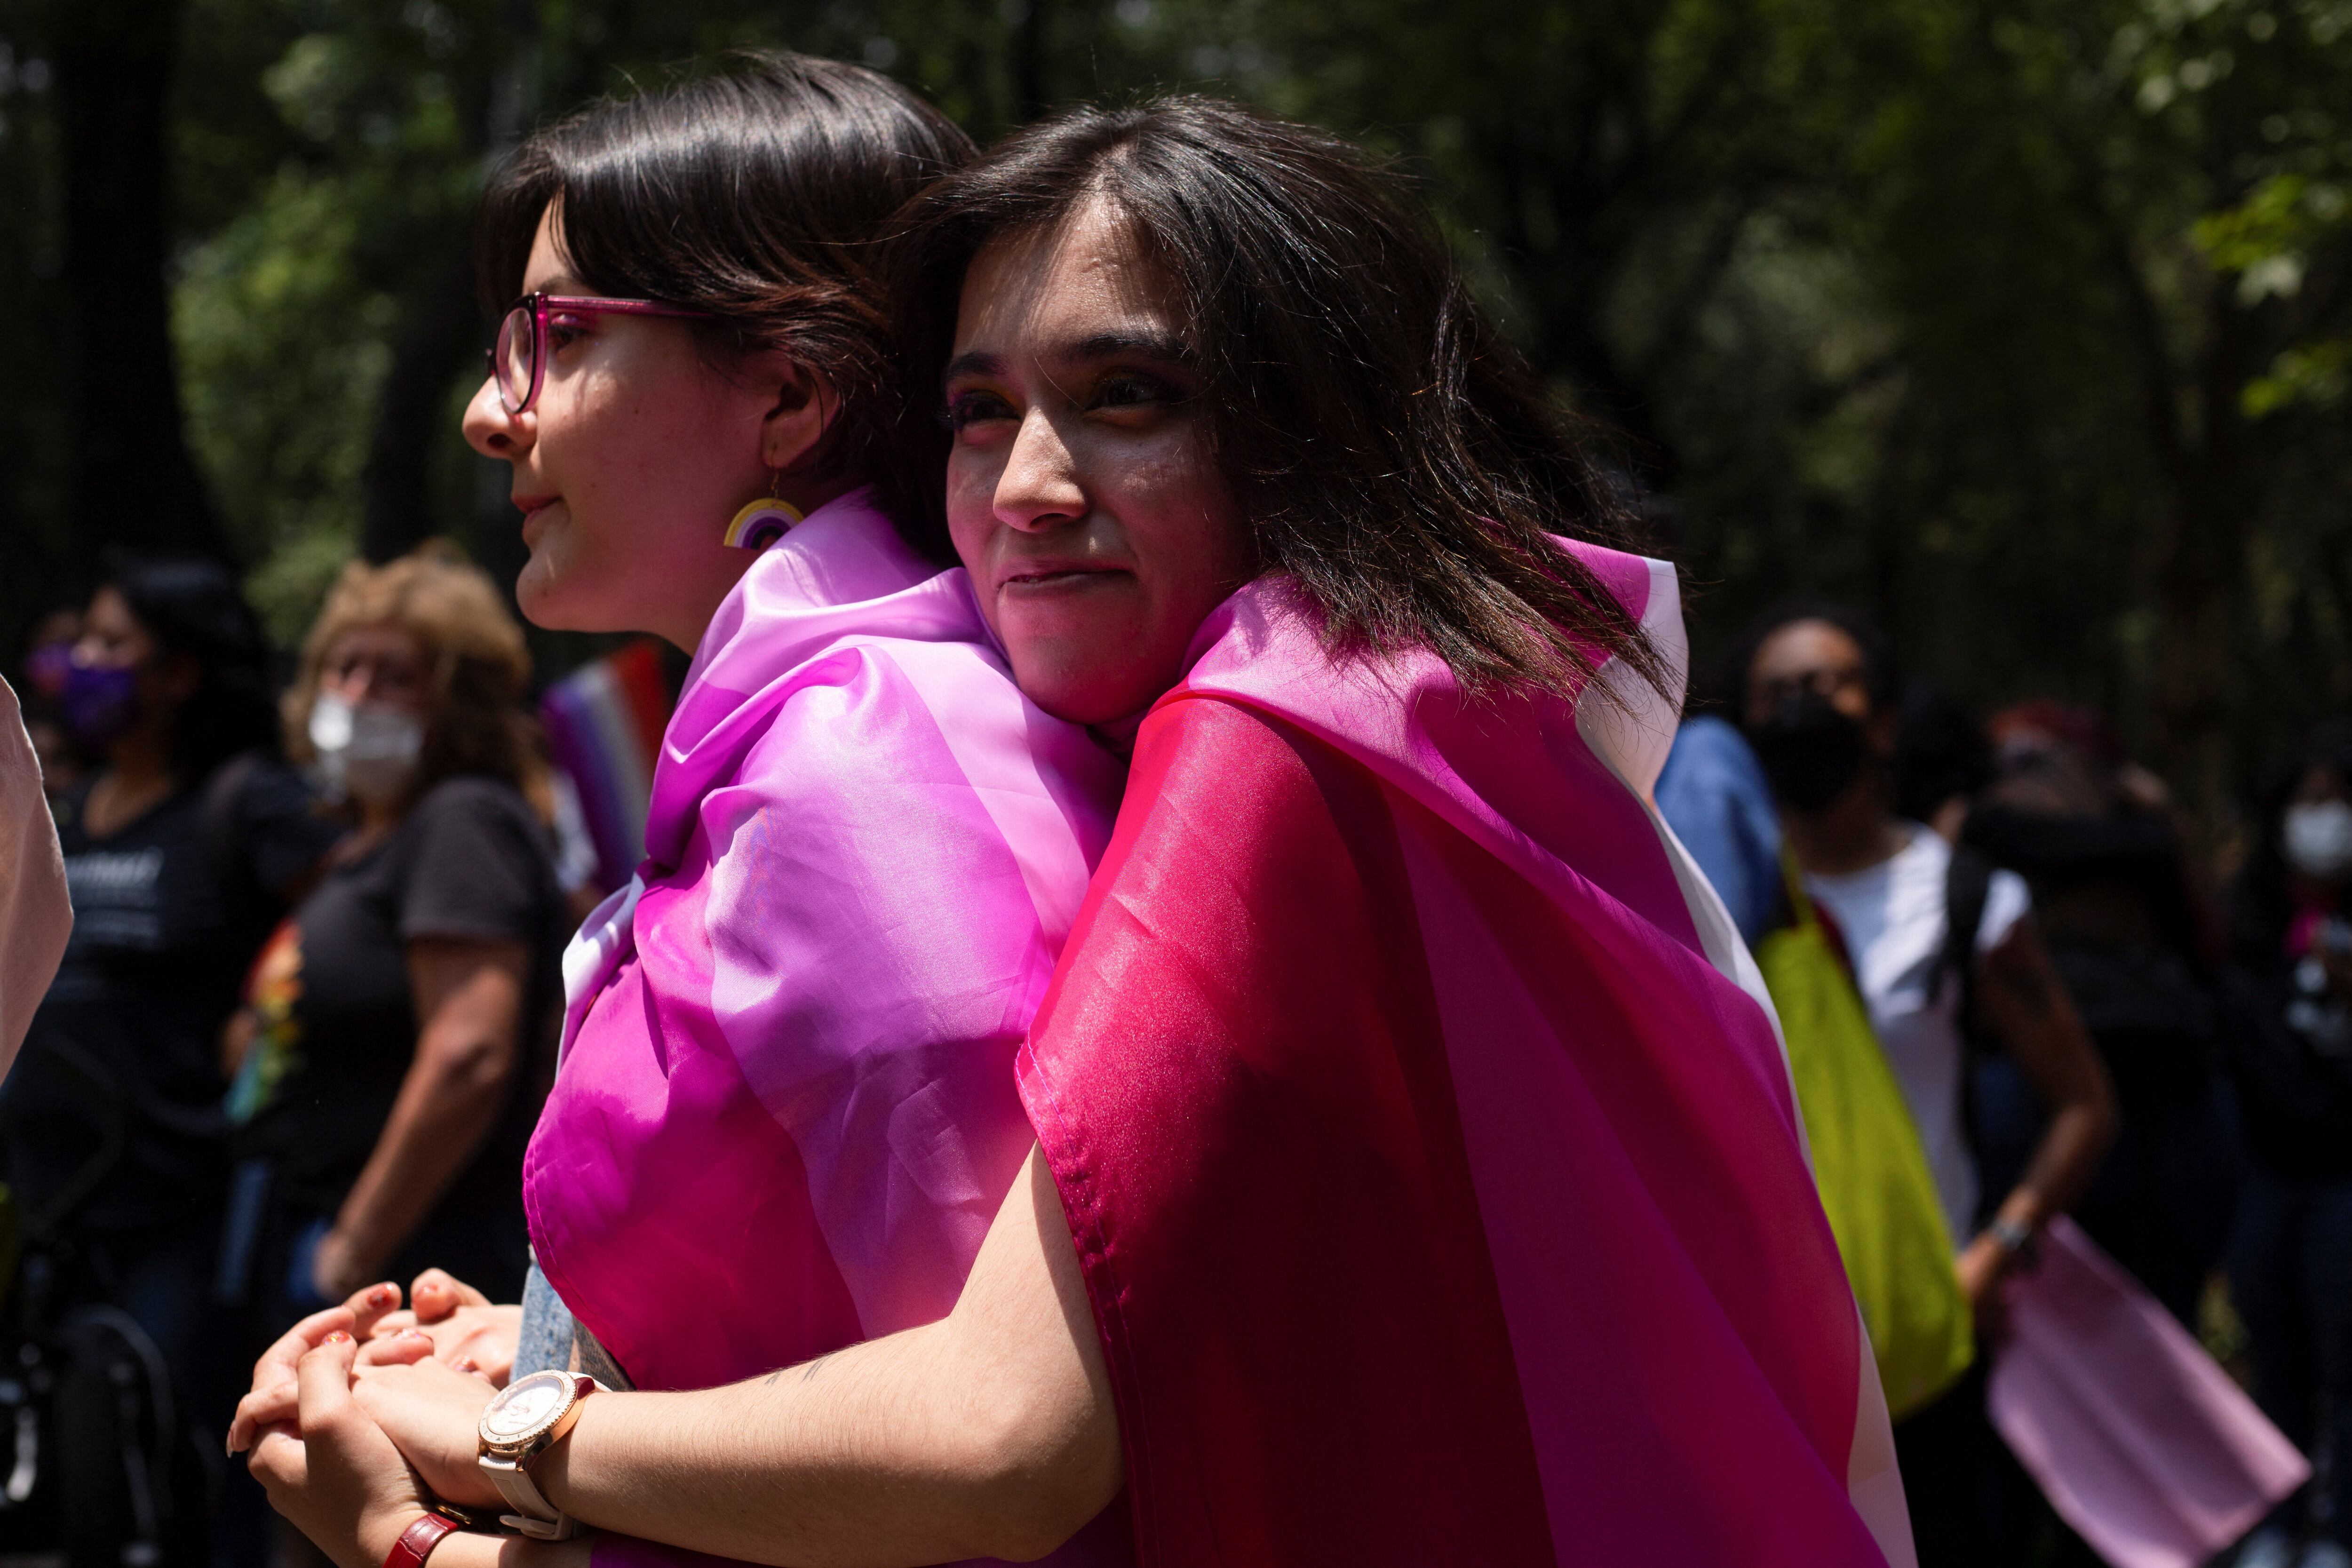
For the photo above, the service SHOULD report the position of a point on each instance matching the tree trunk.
(2201, 577)
(412, 420)
(131, 482)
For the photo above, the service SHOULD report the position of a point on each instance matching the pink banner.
(2139, 1441)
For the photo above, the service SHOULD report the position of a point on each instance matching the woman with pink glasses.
(786, 1112)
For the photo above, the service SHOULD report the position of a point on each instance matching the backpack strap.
(1967, 886)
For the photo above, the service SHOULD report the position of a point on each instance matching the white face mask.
(368, 752)
(2318, 839)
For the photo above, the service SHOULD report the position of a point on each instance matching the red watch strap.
(418, 1542)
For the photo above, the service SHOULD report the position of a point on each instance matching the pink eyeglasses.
(518, 361)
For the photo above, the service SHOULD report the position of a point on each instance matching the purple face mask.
(98, 704)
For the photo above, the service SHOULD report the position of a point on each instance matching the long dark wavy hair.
(1393, 452)
(757, 195)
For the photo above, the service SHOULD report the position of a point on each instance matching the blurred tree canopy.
(2024, 324)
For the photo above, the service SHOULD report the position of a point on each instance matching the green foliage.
(2023, 323)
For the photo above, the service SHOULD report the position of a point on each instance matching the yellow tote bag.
(1867, 1160)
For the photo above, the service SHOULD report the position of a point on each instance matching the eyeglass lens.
(515, 355)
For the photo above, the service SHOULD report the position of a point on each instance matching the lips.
(531, 507)
(1044, 576)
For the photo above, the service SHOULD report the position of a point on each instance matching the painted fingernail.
(463, 1364)
(417, 1335)
(339, 1338)
(382, 1295)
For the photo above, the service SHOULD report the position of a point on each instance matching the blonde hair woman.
(391, 1024)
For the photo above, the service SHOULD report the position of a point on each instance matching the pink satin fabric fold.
(1689, 1366)
(784, 1113)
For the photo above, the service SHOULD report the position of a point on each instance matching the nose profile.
(491, 431)
(1040, 487)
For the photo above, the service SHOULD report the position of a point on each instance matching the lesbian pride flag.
(1428, 1145)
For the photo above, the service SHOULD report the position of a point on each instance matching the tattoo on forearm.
(808, 1370)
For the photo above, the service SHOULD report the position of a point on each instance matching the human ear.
(796, 420)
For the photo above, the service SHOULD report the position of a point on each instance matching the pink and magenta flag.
(1429, 1146)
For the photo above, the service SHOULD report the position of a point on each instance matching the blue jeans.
(2291, 1273)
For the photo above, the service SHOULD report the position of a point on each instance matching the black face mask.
(1811, 752)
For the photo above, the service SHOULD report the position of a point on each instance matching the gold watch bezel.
(554, 1426)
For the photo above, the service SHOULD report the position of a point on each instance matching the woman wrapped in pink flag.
(1417, 1175)
(785, 1111)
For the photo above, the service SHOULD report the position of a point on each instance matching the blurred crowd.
(307, 1014)
(301, 1030)
(2079, 1017)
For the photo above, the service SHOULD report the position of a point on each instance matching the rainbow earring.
(763, 522)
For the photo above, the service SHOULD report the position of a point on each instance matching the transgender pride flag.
(604, 724)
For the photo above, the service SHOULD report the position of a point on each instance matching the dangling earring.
(763, 522)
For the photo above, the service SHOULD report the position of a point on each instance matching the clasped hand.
(361, 1416)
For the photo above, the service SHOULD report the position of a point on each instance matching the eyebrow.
(1166, 348)
(974, 364)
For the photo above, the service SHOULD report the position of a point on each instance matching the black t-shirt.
(2291, 1055)
(337, 1026)
(119, 1081)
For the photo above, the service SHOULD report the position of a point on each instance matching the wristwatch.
(2015, 1239)
(530, 1416)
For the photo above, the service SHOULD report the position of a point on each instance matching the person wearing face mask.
(49, 664)
(182, 848)
(384, 1058)
(2290, 1056)
(1818, 700)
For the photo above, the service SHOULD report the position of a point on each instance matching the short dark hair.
(1393, 452)
(1881, 675)
(194, 608)
(756, 194)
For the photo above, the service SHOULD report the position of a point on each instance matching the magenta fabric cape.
(1428, 1143)
(784, 1115)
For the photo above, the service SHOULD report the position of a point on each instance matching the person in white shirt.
(1817, 701)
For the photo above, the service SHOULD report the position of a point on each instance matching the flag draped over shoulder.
(1430, 1152)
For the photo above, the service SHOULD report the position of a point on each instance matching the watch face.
(526, 1405)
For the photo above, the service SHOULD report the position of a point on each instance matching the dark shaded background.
(2021, 323)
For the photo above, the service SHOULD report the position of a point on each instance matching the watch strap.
(2011, 1234)
(511, 1473)
(533, 1514)
(418, 1542)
